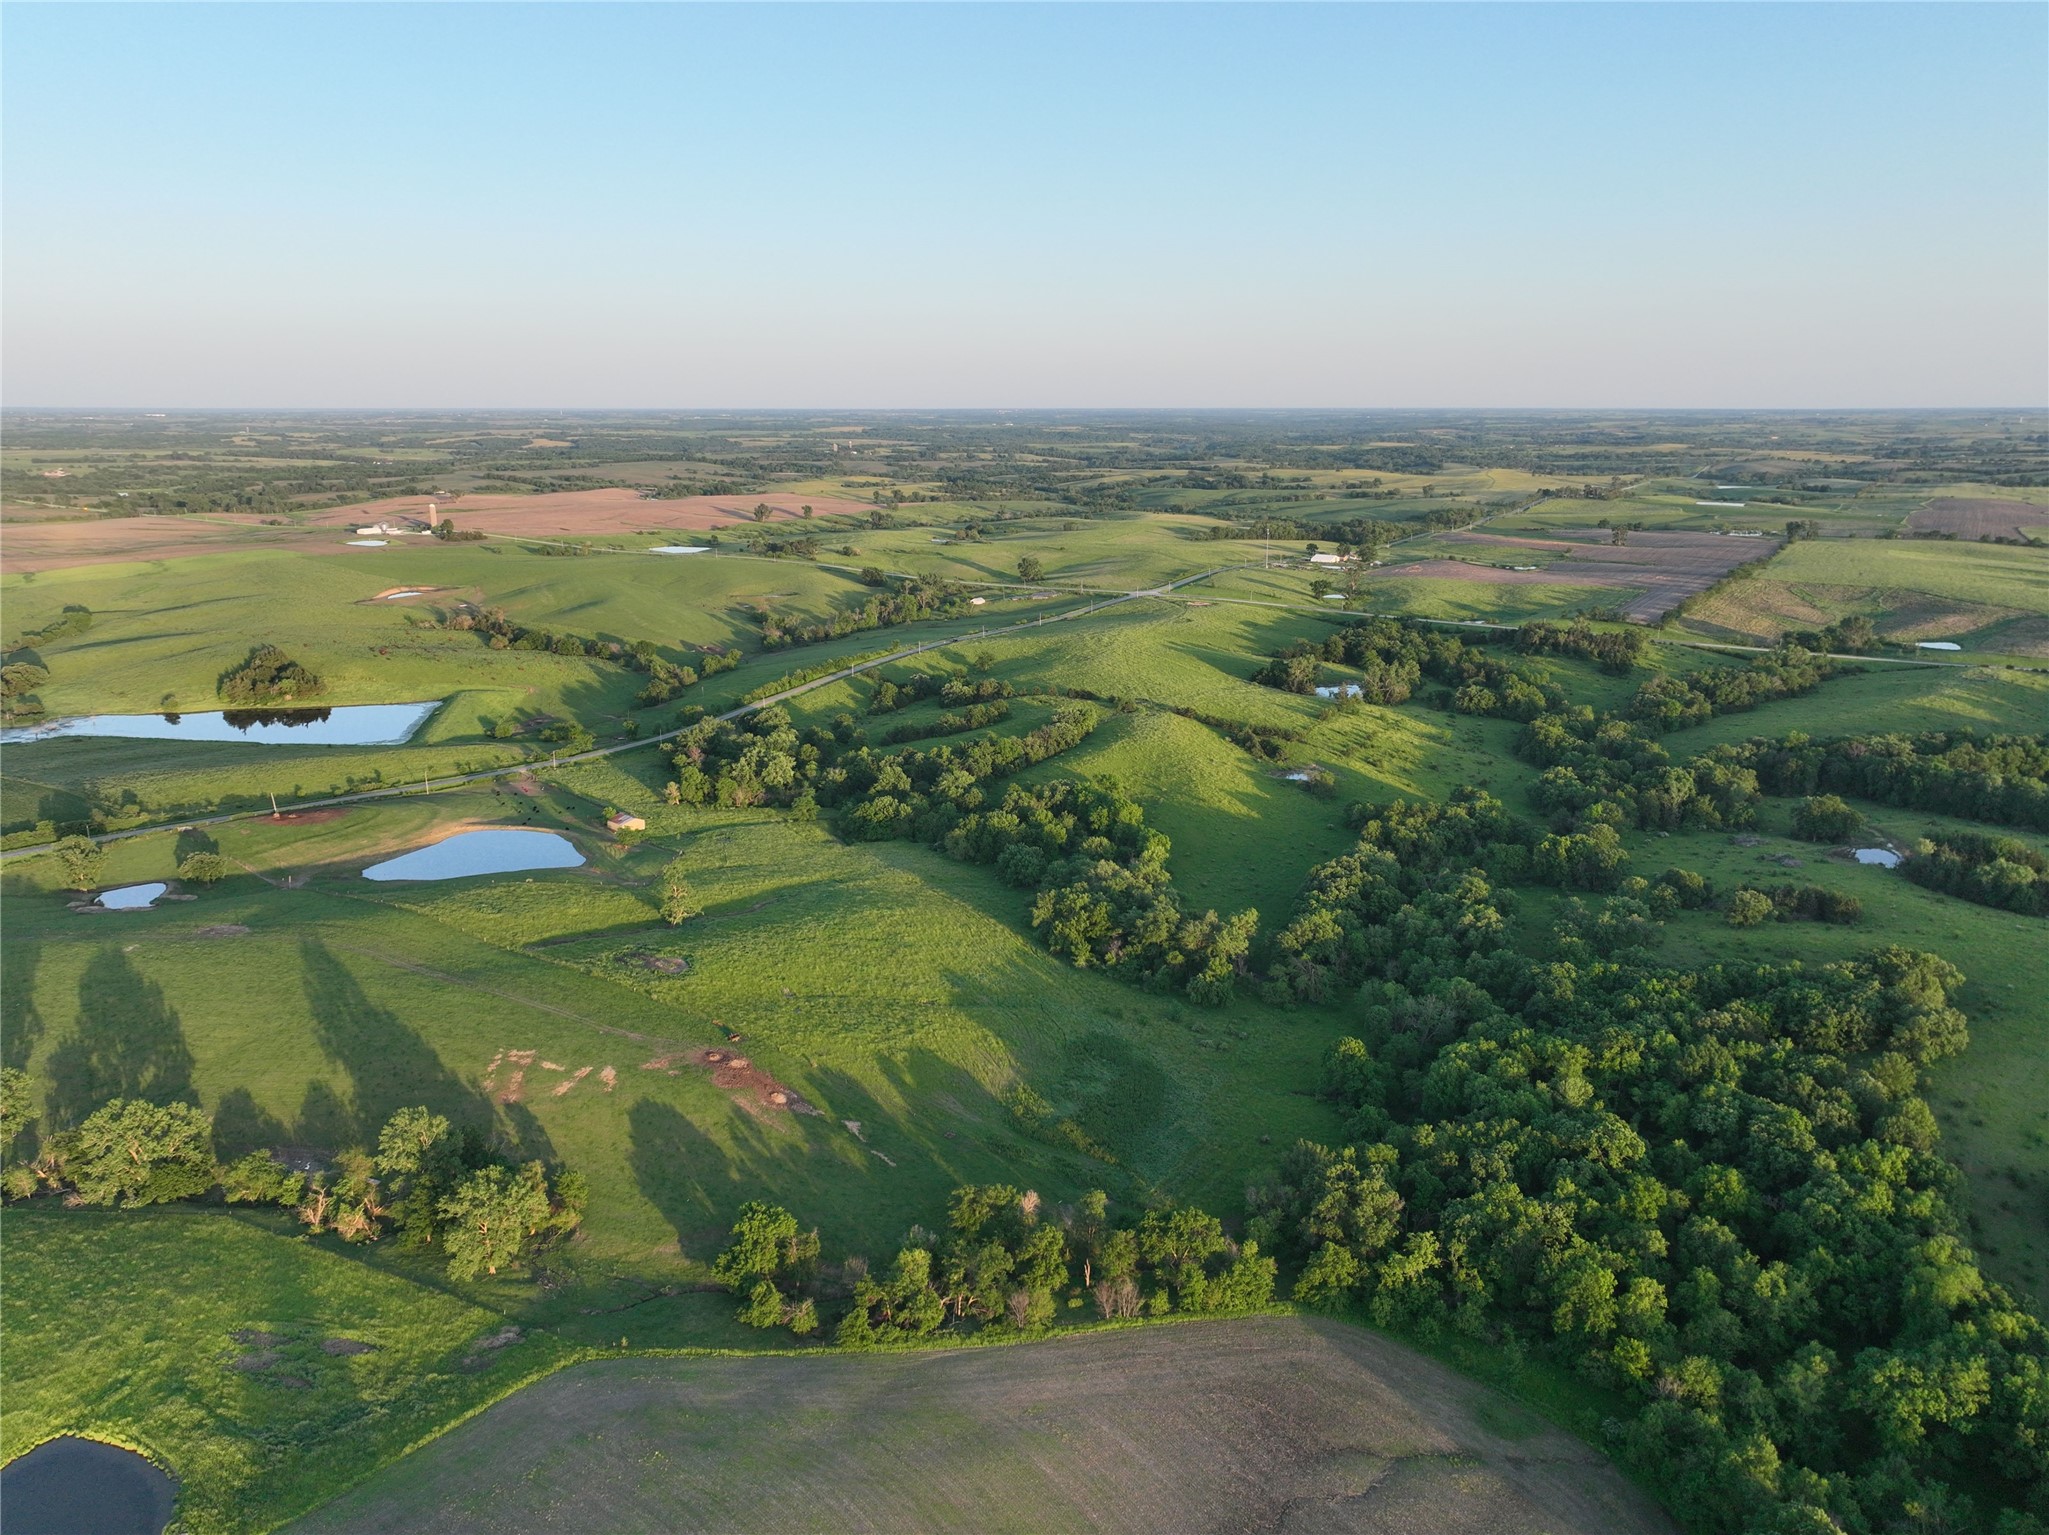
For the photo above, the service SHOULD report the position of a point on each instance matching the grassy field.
(885, 984)
(1221, 1425)
(1992, 599)
(203, 1349)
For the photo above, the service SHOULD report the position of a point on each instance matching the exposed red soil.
(587, 513)
(750, 1086)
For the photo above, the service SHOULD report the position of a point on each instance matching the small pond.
(74, 1486)
(366, 543)
(346, 725)
(1884, 857)
(132, 897)
(680, 549)
(1338, 690)
(1937, 645)
(496, 851)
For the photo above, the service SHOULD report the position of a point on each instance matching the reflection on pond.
(73, 1486)
(131, 897)
(1885, 858)
(497, 851)
(345, 725)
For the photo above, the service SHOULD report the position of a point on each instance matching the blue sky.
(1008, 206)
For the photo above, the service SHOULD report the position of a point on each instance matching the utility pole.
(273, 806)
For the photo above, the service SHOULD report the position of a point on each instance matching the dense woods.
(1716, 1190)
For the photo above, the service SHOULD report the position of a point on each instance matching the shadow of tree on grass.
(390, 1067)
(129, 1043)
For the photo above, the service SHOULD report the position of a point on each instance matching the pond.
(346, 725)
(73, 1486)
(680, 549)
(1884, 857)
(366, 543)
(131, 897)
(1339, 690)
(501, 850)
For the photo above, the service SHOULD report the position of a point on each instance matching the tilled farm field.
(1266, 1423)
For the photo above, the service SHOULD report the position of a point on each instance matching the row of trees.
(1674, 702)
(1714, 1189)
(908, 600)
(436, 1186)
(2001, 779)
(1992, 871)
(1001, 1260)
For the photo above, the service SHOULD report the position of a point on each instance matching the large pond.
(1884, 857)
(74, 1486)
(131, 897)
(495, 851)
(345, 725)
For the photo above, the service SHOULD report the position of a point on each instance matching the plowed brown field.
(586, 513)
(1268, 1423)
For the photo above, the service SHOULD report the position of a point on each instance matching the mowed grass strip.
(1207, 1425)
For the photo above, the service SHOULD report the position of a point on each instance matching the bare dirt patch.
(1662, 569)
(222, 930)
(750, 1086)
(1266, 1423)
(107, 540)
(1973, 517)
(342, 1348)
(590, 513)
(1493, 575)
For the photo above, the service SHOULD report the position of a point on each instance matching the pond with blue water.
(74, 1486)
(343, 725)
(497, 850)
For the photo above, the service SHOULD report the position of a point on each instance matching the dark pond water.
(351, 724)
(131, 897)
(495, 851)
(345, 725)
(74, 1486)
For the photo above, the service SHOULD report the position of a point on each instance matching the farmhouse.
(1326, 559)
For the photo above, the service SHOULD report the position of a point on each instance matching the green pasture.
(885, 984)
(122, 1327)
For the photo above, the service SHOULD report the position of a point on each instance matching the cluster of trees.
(1415, 899)
(974, 717)
(1002, 1260)
(666, 678)
(1993, 871)
(1827, 818)
(908, 601)
(950, 688)
(1393, 655)
(1716, 1190)
(18, 683)
(1793, 903)
(1673, 702)
(1602, 771)
(501, 632)
(436, 1186)
(2000, 779)
(269, 676)
(759, 759)
(1615, 651)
